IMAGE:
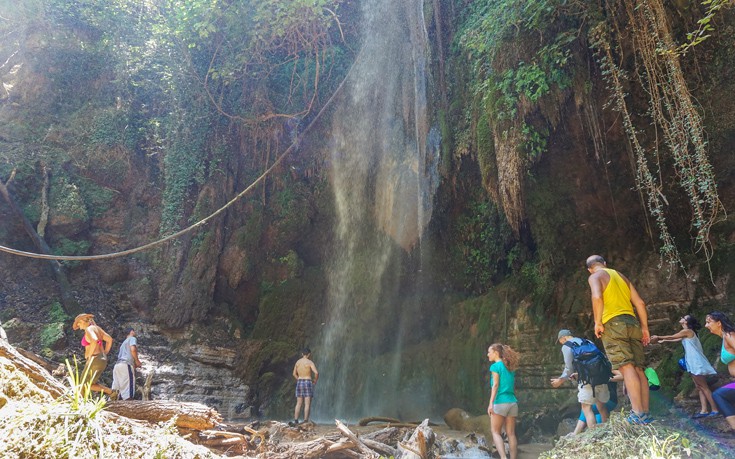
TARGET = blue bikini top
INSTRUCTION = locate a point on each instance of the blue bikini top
(725, 356)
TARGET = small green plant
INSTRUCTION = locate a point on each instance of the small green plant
(56, 313)
(80, 396)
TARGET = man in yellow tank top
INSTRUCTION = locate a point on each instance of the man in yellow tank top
(615, 304)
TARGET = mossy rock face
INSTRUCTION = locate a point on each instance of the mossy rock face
(291, 308)
(68, 213)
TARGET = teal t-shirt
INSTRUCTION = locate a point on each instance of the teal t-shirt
(506, 383)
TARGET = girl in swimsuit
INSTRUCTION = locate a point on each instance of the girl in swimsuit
(97, 344)
(720, 325)
(697, 364)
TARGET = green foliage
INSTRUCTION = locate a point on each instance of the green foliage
(56, 313)
(66, 246)
(482, 235)
(51, 334)
(97, 199)
(112, 128)
(183, 72)
(704, 26)
(65, 198)
(534, 141)
(294, 265)
(537, 280)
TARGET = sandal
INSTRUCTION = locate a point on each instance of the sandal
(700, 415)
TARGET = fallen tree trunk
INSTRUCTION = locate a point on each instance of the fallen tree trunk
(188, 415)
(40, 377)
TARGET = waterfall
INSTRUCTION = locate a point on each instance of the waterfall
(383, 178)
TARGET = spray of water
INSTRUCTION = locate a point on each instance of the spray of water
(383, 177)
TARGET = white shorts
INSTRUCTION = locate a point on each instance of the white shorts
(602, 394)
(123, 380)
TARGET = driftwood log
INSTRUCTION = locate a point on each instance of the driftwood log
(308, 450)
(419, 444)
(364, 449)
(366, 421)
(34, 371)
(188, 415)
(388, 435)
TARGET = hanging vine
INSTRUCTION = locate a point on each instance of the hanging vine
(672, 110)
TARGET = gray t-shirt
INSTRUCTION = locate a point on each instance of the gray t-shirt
(125, 355)
(568, 354)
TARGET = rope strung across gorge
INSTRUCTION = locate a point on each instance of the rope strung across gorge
(201, 222)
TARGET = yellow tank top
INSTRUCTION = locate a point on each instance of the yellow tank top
(616, 297)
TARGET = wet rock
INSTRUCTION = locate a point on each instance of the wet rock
(565, 427)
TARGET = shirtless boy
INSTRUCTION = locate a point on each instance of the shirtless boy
(302, 371)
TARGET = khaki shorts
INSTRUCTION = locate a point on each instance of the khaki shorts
(506, 409)
(622, 341)
(602, 394)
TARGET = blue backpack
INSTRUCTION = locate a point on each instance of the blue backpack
(591, 364)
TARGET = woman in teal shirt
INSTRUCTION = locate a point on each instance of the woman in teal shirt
(503, 407)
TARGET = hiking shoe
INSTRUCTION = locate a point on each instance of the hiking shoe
(293, 423)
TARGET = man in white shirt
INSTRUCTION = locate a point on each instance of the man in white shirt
(123, 375)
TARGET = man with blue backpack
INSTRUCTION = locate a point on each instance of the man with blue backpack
(593, 370)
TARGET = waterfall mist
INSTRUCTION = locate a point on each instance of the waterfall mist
(383, 178)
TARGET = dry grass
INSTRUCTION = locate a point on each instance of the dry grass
(35, 426)
(617, 439)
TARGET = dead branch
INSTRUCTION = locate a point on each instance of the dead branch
(43, 221)
(147, 387)
(365, 421)
(367, 452)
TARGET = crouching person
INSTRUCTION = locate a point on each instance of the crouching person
(582, 357)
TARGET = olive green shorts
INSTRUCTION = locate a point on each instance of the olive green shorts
(622, 341)
(93, 369)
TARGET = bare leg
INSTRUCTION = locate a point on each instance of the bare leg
(100, 388)
(633, 386)
(645, 394)
(510, 430)
(731, 421)
(589, 415)
(705, 394)
(604, 413)
(496, 426)
(580, 426)
(307, 408)
(299, 401)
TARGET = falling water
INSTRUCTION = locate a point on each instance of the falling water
(384, 179)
